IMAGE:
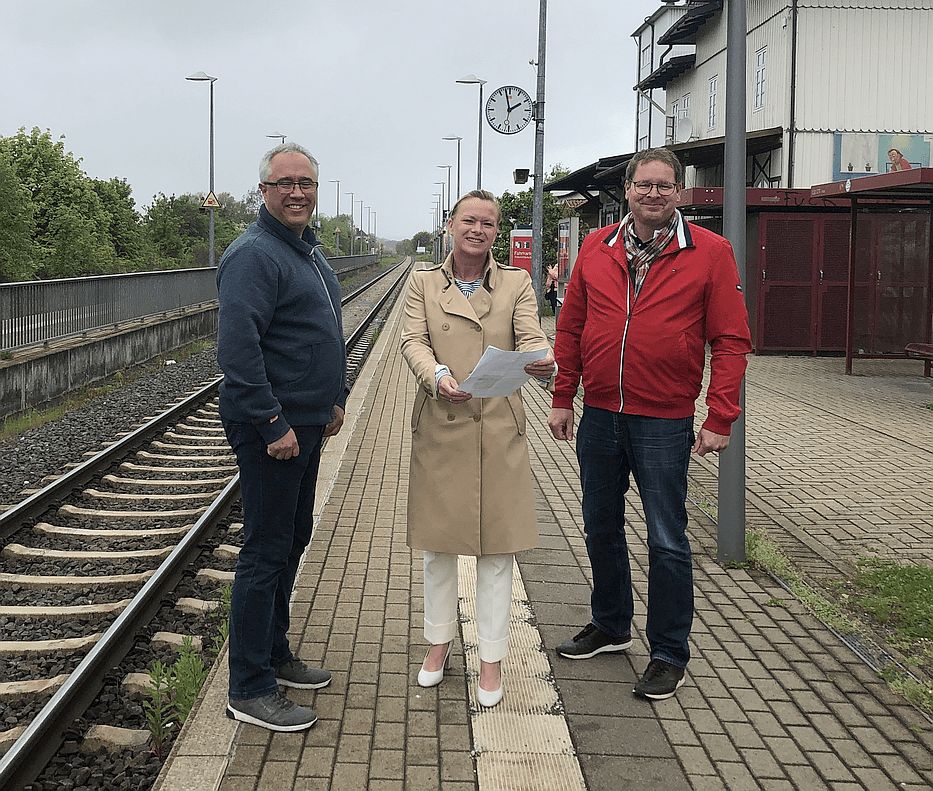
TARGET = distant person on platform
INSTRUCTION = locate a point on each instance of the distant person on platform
(550, 287)
(645, 297)
(898, 160)
(280, 345)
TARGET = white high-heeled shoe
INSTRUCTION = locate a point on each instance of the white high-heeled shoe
(431, 678)
(489, 698)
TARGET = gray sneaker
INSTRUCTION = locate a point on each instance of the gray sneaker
(274, 712)
(298, 675)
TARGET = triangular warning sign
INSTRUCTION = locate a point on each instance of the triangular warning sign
(211, 202)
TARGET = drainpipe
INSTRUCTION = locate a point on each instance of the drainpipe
(792, 121)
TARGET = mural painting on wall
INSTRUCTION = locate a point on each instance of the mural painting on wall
(858, 154)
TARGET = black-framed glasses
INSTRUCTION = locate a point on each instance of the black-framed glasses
(285, 186)
(644, 187)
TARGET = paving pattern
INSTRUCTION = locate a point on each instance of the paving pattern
(773, 700)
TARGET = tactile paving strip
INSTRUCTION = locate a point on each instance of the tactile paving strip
(522, 744)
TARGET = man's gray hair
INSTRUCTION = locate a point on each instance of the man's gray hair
(265, 164)
(656, 155)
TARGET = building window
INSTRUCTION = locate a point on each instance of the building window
(645, 61)
(685, 106)
(643, 142)
(761, 59)
(643, 102)
(712, 101)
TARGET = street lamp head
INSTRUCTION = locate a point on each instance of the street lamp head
(452, 137)
(445, 166)
(471, 79)
(279, 136)
(200, 76)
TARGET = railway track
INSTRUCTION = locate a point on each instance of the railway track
(144, 529)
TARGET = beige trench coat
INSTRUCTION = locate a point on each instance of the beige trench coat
(469, 489)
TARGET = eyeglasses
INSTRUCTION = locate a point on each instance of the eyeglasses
(644, 187)
(285, 186)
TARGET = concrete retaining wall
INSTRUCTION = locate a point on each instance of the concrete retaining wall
(39, 376)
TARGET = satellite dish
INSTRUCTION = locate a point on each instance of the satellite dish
(683, 129)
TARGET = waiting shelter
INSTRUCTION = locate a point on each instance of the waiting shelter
(890, 264)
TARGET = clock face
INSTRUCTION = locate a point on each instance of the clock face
(509, 109)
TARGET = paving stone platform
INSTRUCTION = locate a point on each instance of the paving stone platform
(838, 467)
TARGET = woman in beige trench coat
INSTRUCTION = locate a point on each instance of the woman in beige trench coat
(470, 490)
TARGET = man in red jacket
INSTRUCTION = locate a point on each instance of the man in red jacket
(645, 297)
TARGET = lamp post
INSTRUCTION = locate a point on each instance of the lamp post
(337, 217)
(360, 226)
(443, 212)
(351, 221)
(439, 209)
(366, 234)
(280, 138)
(458, 139)
(448, 185)
(200, 76)
(472, 79)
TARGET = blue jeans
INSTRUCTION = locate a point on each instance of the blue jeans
(278, 506)
(656, 451)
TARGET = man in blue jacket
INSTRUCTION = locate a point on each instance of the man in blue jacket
(280, 345)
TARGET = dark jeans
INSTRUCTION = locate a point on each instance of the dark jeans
(657, 452)
(278, 505)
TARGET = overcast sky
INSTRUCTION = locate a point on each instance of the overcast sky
(368, 86)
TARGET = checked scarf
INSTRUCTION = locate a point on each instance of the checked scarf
(641, 257)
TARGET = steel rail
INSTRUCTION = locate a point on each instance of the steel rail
(12, 519)
(31, 752)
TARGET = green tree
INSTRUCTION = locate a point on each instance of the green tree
(65, 203)
(124, 224)
(422, 239)
(178, 228)
(17, 220)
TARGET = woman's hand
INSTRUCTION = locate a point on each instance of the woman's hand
(448, 389)
(543, 368)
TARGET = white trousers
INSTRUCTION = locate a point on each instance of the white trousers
(493, 601)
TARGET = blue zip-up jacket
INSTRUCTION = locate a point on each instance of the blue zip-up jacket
(280, 334)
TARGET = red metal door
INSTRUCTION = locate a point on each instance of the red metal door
(787, 313)
(832, 283)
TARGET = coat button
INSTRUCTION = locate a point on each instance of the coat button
(445, 326)
(450, 417)
(478, 329)
(476, 418)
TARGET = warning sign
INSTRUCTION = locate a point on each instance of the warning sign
(211, 202)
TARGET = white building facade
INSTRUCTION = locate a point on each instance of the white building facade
(835, 88)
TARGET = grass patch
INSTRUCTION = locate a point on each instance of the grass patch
(764, 553)
(898, 596)
(896, 600)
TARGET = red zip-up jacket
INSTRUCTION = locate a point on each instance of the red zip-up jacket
(645, 356)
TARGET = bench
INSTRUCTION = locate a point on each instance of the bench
(921, 351)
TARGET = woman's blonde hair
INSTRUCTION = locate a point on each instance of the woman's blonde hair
(482, 195)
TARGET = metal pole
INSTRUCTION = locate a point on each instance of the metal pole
(731, 523)
(479, 142)
(337, 219)
(351, 221)
(537, 212)
(210, 233)
(458, 168)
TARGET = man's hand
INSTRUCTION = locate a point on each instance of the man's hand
(541, 369)
(335, 425)
(284, 447)
(710, 441)
(448, 389)
(560, 421)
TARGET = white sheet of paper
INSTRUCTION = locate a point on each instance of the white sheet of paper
(499, 373)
